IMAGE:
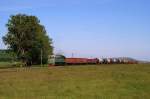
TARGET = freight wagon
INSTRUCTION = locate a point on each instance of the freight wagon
(93, 61)
(76, 61)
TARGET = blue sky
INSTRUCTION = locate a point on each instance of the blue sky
(89, 28)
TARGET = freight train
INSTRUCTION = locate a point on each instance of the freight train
(60, 60)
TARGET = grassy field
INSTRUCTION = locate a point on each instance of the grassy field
(76, 82)
(5, 64)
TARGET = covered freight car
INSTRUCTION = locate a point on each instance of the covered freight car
(76, 61)
(93, 61)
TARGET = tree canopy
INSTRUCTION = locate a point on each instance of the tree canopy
(27, 38)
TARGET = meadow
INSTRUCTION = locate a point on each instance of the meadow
(76, 82)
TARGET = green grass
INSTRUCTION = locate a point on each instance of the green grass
(76, 82)
(5, 64)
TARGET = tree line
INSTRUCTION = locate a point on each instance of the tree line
(28, 39)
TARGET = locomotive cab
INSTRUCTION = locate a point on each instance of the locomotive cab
(56, 60)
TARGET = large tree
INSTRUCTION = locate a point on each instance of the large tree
(28, 38)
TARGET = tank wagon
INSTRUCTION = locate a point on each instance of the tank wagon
(101, 61)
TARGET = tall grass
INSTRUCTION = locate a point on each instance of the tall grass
(76, 82)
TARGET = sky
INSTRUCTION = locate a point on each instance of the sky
(88, 28)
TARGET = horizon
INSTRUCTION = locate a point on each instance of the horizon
(89, 28)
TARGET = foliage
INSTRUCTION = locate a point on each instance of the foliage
(7, 56)
(27, 37)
